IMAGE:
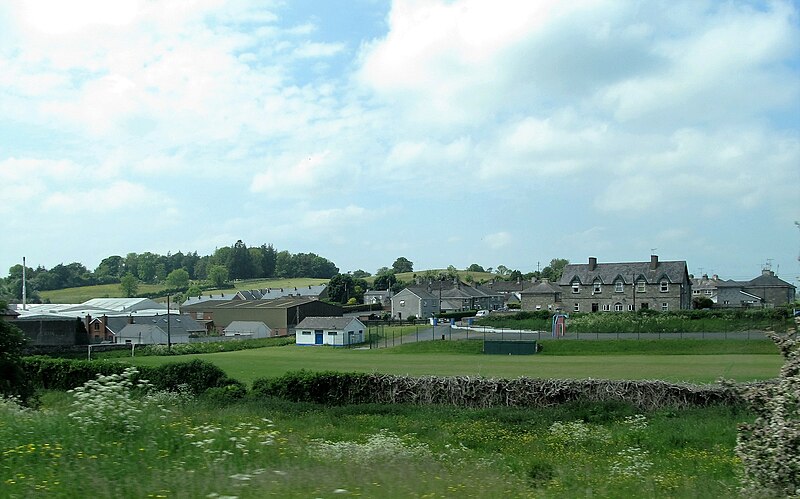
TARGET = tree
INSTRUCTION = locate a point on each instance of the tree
(110, 269)
(402, 264)
(178, 279)
(475, 268)
(360, 274)
(129, 284)
(239, 264)
(701, 302)
(502, 270)
(13, 379)
(269, 255)
(554, 271)
(341, 288)
(218, 275)
(194, 290)
(385, 280)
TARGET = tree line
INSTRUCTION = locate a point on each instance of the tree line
(174, 269)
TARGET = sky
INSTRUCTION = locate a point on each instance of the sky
(448, 132)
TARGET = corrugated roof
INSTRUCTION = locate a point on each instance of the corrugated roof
(338, 323)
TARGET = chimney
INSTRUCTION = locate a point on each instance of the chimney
(653, 262)
(767, 272)
(130, 319)
(592, 263)
(88, 322)
(715, 277)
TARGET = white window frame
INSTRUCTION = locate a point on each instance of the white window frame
(597, 287)
(664, 307)
(618, 307)
(576, 307)
(576, 287)
(619, 287)
(641, 286)
(606, 307)
(664, 286)
(630, 307)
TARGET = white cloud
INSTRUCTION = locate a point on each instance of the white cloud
(498, 240)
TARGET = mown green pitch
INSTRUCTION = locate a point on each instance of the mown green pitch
(247, 365)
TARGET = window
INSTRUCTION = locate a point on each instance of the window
(618, 307)
(597, 287)
(97, 326)
(630, 307)
(199, 315)
(306, 332)
(707, 292)
(664, 307)
(641, 286)
(695, 291)
(332, 333)
(664, 286)
(606, 307)
(402, 303)
(645, 306)
(576, 287)
(577, 307)
(618, 287)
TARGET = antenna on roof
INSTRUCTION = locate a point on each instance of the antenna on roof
(653, 251)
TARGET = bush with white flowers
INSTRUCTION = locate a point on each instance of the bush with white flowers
(770, 447)
(108, 402)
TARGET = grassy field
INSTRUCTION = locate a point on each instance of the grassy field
(179, 447)
(756, 361)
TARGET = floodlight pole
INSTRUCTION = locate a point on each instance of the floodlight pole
(169, 339)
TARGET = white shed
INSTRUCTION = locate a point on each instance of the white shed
(248, 329)
(335, 331)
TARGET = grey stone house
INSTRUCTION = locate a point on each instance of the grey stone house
(766, 290)
(416, 301)
(541, 296)
(618, 287)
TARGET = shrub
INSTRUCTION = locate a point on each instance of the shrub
(226, 395)
(770, 447)
(13, 381)
(197, 375)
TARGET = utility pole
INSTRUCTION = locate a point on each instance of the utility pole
(24, 289)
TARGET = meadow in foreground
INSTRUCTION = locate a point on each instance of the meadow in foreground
(111, 439)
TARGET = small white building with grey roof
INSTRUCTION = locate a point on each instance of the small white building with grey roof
(334, 331)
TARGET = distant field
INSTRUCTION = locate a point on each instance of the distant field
(247, 365)
(476, 276)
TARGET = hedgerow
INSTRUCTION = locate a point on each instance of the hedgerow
(334, 388)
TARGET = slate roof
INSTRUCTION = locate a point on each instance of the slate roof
(542, 288)
(246, 327)
(768, 281)
(337, 323)
(674, 271)
(420, 292)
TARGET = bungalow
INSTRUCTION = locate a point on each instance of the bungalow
(157, 331)
(335, 331)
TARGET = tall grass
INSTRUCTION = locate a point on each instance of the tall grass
(184, 447)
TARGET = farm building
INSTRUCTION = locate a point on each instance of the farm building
(335, 331)
(279, 314)
(154, 330)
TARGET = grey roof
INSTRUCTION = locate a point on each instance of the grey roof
(674, 271)
(504, 286)
(122, 304)
(542, 288)
(768, 281)
(420, 292)
(337, 323)
(246, 327)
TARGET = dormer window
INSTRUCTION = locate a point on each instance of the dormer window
(664, 285)
(597, 286)
(618, 287)
(576, 287)
(641, 286)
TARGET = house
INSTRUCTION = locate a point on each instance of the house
(542, 295)
(414, 301)
(606, 287)
(378, 297)
(279, 314)
(334, 331)
(509, 291)
(766, 290)
(160, 330)
(248, 329)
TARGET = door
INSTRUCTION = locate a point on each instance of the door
(318, 337)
